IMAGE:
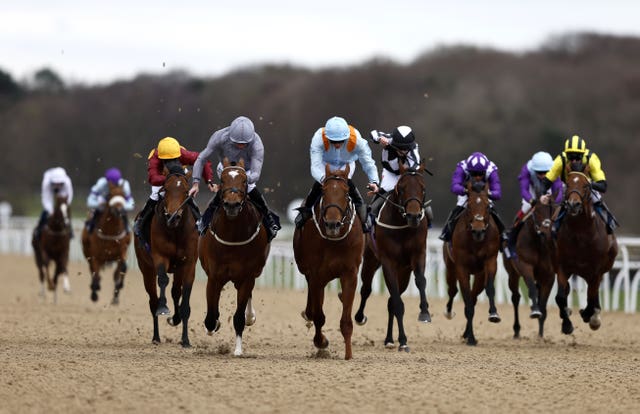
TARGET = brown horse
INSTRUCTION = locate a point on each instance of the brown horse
(53, 245)
(173, 249)
(584, 248)
(533, 259)
(234, 249)
(327, 247)
(473, 250)
(399, 243)
(108, 242)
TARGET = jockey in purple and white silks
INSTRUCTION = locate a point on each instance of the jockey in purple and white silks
(97, 198)
(476, 167)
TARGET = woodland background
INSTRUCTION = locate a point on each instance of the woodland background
(457, 99)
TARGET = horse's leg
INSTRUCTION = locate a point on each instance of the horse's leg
(316, 291)
(163, 281)
(243, 294)
(561, 300)
(349, 284)
(369, 266)
(452, 290)
(94, 265)
(64, 262)
(212, 320)
(176, 292)
(37, 252)
(249, 313)
(188, 276)
(591, 313)
(307, 313)
(546, 284)
(118, 279)
(421, 284)
(149, 279)
(470, 299)
(490, 274)
(396, 309)
(514, 287)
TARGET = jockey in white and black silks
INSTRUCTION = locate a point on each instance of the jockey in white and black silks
(55, 182)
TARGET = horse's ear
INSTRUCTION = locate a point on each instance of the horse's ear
(327, 170)
(225, 162)
(165, 171)
(587, 170)
(188, 174)
(241, 163)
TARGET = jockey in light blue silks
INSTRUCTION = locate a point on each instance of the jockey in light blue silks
(339, 144)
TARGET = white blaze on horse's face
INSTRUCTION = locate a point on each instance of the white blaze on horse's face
(178, 183)
(234, 173)
(575, 180)
(478, 200)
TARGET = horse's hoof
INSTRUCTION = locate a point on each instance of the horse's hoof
(185, 345)
(66, 286)
(322, 345)
(155, 341)
(595, 321)
(162, 310)
(250, 320)
(115, 301)
(237, 353)
(389, 345)
(494, 318)
(309, 323)
(535, 314)
(567, 328)
(472, 342)
(170, 321)
(362, 321)
(216, 328)
(449, 315)
(569, 311)
(94, 297)
(404, 348)
(424, 317)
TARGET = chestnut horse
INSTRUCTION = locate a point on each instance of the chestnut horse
(173, 249)
(53, 245)
(234, 249)
(584, 248)
(533, 259)
(108, 242)
(327, 247)
(473, 249)
(399, 243)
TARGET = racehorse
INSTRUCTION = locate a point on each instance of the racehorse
(533, 259)
(108, 242)
(584, 248)
(327, 247)
(398, 243)
(173, 248)
(473, 249)
(53, 245)
(234, 249)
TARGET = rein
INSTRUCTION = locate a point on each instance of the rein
(353, 216)
(240, 243)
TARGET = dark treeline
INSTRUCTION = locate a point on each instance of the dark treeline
(457, 99)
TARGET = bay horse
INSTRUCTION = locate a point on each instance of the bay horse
(533, 260)
(52, 245)
(234, 249)
(108, 242)
(584, 248)
(173, 248)
(473, 249)
(398, 242)
(327, 247)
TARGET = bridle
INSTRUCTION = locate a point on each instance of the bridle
(171, 218)
(402, 208)
(235, 190)
(347, 214)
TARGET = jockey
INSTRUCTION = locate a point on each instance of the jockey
(531, 183)
(479, 169)
(578, 156)
(235, 142)
(339, 144)
(169, 153)
(100, 192)
(55, 181)
(398, 148)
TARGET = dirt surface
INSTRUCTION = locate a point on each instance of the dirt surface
(77, 356)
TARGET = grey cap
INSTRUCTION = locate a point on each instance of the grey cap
(241, 130)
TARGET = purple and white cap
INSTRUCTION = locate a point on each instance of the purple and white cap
(477, 162)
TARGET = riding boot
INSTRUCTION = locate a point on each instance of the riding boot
(360, 206)
(558, 221)
(377, 202)
(41, 221)
(269, 218)
(604, 213)
(429, 212)
(450, 224)
(515, 230)
(91, 223)
(145, 214)
(501, 229)
(205, 220)
(304, 211)
(125, 218)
